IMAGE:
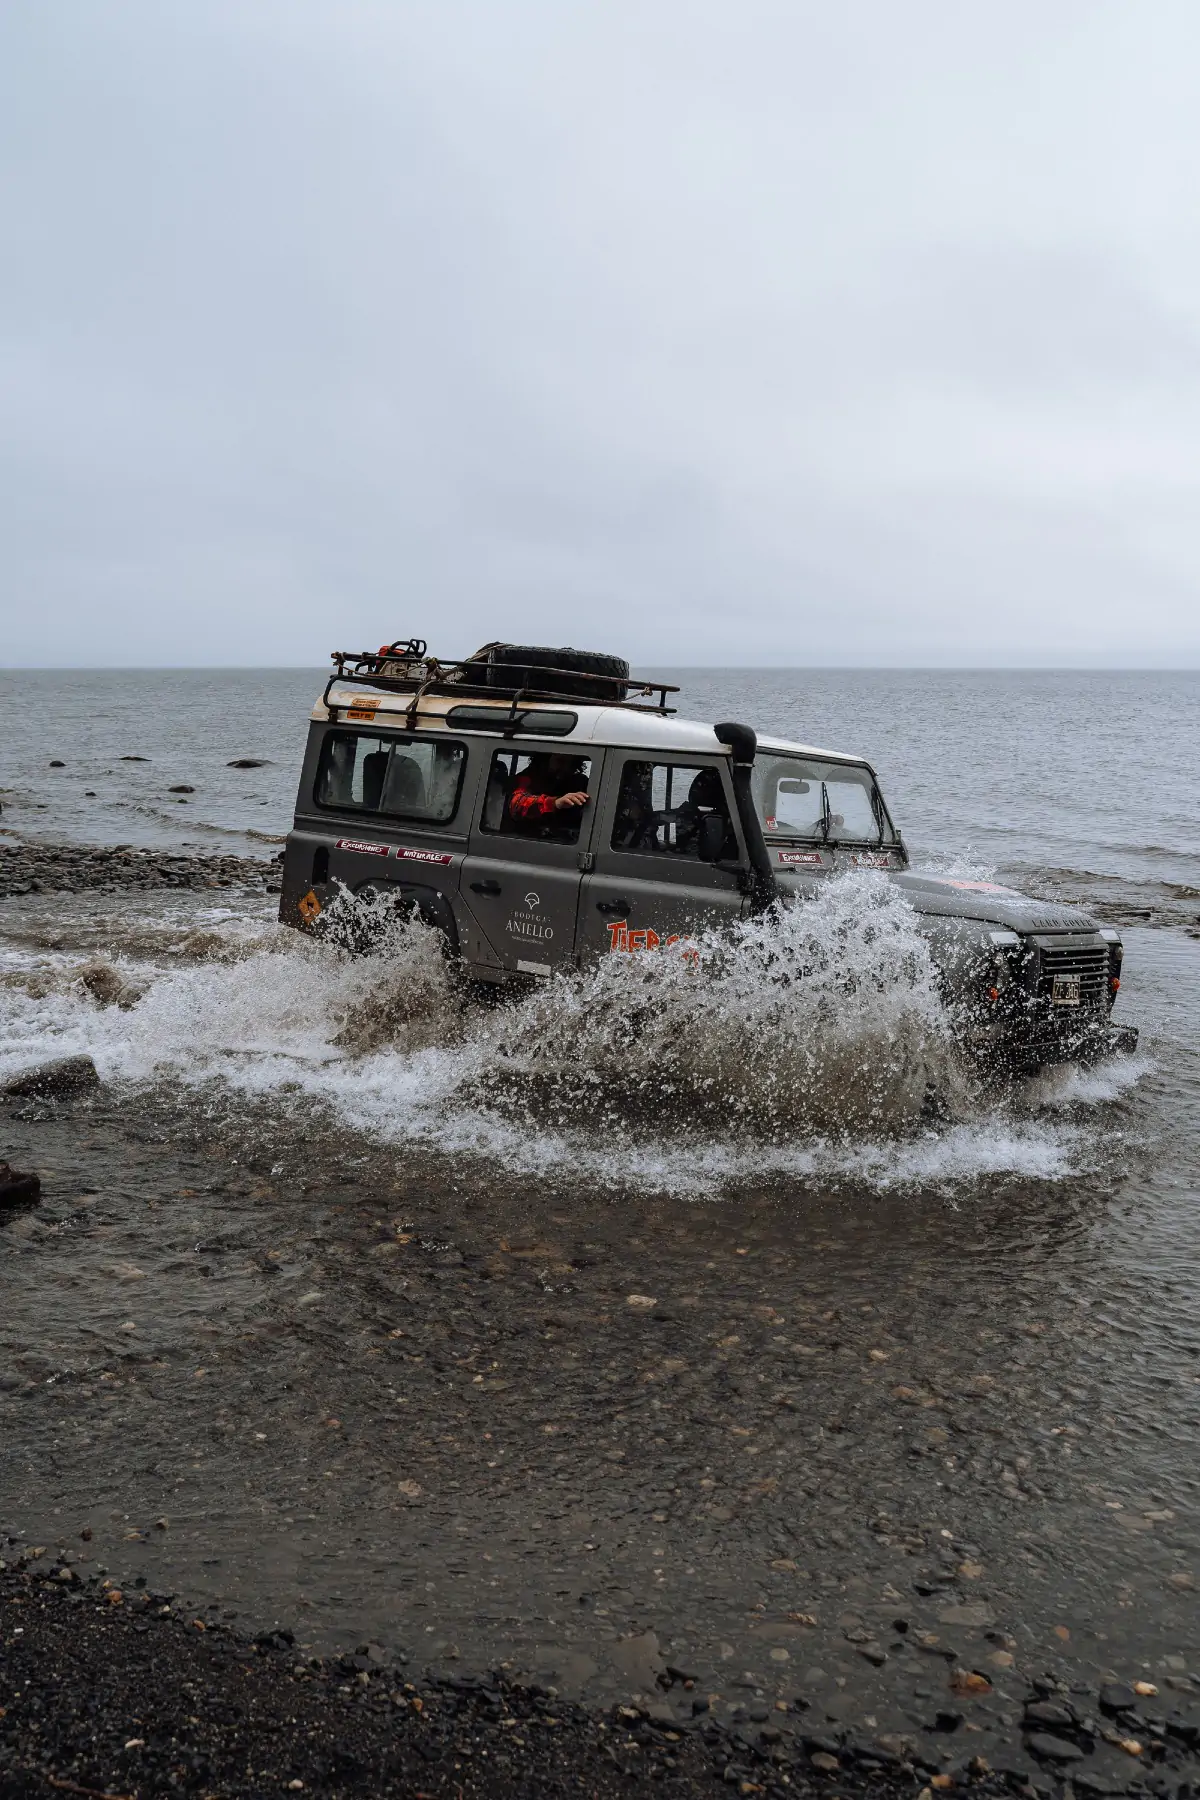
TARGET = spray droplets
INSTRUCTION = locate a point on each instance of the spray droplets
(803, 1045)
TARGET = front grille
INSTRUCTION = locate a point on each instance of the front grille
(1087, 961)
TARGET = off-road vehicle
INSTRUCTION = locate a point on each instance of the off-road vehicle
(542, 806)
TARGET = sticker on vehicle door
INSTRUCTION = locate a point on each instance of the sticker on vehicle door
(646, 938)
(441, 857)
(788, 857)
(529, 924)
(361, 848)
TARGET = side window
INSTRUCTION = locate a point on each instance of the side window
(537, 794)
(407, 778)
(660, 807)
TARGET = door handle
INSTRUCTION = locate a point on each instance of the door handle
(612, 906)
(485, 887)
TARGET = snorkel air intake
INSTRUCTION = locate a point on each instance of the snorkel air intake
(743, 747)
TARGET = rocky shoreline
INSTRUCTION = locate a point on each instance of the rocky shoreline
(125, 1694)
(37, 868)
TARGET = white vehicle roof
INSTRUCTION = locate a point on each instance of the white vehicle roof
(623, 726)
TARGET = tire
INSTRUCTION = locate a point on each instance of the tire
(514, 666)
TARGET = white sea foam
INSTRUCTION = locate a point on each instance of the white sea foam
(776, 1051)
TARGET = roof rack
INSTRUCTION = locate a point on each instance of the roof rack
(404, 668)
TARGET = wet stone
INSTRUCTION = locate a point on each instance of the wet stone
(1116, 1697)
(67, 1075)
(1051, 1714)
(1053, 1749)
(18, 1188)
(1091, 1781)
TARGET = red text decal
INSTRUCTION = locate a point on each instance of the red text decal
(645, 938)
(361, 848)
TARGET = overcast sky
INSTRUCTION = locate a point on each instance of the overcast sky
(752, 331)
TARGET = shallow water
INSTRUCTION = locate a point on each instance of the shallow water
(334, 1274)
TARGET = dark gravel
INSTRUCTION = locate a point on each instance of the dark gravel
(126, 1694)
(105, 1693)
(35, 868)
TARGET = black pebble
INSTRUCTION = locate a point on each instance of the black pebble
(17, 1189)
(55, 764)
(182, 788)
(1054, 1749)
(1049, 1712)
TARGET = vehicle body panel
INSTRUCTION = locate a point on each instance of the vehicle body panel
(636, 900)
(523, 892)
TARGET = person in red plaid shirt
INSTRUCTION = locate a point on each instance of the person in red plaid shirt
(551, 785)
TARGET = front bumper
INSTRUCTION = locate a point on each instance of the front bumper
(1023, 1050)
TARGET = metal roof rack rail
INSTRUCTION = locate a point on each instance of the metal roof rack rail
(425, 674)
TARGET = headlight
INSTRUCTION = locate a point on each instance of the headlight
(1116, 955)
(998, 972)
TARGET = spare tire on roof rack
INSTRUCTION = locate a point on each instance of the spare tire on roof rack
(579, 674)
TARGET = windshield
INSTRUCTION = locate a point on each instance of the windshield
(825, 802)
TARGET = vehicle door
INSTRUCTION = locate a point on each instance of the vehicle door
(650, 883)
(380, 810)
(521, 875)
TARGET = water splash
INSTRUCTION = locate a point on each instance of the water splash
(777, 1049)
(825, 1019)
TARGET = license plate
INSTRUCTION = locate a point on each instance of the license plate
(1065, 991)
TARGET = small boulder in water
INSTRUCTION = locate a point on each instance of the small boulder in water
(135, 759)
(56, 764)
(181, 788)
(17, 1189)
(246, 762)
(69, 1075)
(108, 985)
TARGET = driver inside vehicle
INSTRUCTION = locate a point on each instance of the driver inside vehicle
(705, 796)
(549, 787)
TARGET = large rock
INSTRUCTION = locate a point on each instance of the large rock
(17, 1189)
(69, 1075)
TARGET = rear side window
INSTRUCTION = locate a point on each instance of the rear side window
(407, 778)
(537, 795)
(660, 806)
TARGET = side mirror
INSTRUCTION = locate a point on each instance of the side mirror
(712, 837)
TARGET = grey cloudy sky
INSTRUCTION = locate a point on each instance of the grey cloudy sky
(767, 332)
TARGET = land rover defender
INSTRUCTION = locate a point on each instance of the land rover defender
(541, 807)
